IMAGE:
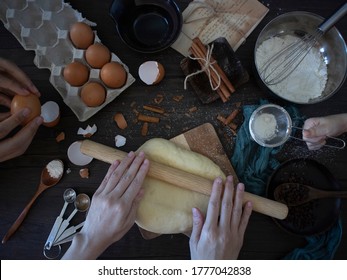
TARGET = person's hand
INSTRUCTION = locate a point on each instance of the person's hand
(317, 129)
(220, 236)
(14, 81)
(113, 208)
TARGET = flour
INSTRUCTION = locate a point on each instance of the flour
(265, 126)
(55, 168)
(306, 82)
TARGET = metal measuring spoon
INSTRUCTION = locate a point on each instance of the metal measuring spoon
(69, 197)
(68, 234)
(82, 204)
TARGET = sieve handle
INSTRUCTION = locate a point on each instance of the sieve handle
(341, 146)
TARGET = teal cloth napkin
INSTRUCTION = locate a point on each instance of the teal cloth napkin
(254, 164)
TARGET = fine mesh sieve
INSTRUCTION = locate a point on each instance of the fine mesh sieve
(270, 125)
(280, 130)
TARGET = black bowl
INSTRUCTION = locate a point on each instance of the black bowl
(147, 25)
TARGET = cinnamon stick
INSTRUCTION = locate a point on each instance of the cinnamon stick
(232, 116)
(144, 129)
(221, 90)
(217, 67)
(145, 118)
(153, 108)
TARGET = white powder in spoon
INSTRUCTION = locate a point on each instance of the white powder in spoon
(265, 126)
(55, 168)
(306, 82)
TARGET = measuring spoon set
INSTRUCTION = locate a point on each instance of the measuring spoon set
(61, 232)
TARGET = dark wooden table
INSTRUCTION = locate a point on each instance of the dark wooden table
(20, 177)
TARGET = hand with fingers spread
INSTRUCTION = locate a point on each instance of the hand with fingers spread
(113, 208)
(14, 81)
(220, 235)
(317, 129)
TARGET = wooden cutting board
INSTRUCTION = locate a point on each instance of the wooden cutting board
(203, 140)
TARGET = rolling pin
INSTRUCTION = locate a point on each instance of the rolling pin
(183, 179)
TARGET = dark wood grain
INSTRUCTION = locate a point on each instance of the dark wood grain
(19, 177)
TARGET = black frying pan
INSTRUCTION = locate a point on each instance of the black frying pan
(316, 216)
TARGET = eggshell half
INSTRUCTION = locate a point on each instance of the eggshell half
(151, 72)
(75, 155)
(50, 113)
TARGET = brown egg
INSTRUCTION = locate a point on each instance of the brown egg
(81, 35)
(113, 75)
(76, 74)
(97, 55)
(30, 101)
(93, 94)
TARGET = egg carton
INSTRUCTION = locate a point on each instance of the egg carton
(43, 27)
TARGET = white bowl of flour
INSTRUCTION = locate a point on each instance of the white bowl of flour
(323, 70)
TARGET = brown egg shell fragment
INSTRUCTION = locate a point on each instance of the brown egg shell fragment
(120, 120)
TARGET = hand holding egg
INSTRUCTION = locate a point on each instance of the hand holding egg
(14, 82)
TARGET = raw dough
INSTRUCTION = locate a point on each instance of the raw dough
(167, 209)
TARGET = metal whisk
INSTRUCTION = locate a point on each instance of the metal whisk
(283, 63)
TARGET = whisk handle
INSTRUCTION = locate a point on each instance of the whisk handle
(334, 18)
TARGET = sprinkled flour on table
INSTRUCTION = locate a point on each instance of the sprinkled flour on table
(306, 82)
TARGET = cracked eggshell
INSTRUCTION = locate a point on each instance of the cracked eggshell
(76, 156)
(151, 72)
(50, 113)
(88, 131)
(120, 141)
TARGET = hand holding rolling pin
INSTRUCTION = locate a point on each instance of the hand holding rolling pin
(220, 235)
(113, 208)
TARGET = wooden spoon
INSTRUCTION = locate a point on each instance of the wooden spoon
(294, 194)
(46, 182)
